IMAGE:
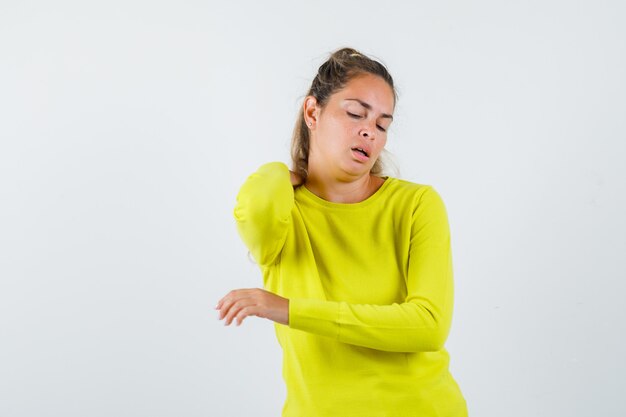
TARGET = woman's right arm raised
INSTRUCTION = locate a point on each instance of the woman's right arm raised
(263, 210)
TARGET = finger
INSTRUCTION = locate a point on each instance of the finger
(226, 302)
(245, 312)
(220, 303)
(232, 293)
(224, 308)
(236, 308)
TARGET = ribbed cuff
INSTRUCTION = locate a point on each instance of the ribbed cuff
(315, 316)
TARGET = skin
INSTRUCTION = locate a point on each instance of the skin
(336, 174)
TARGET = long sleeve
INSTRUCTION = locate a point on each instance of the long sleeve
(263, 211)
(422, 322)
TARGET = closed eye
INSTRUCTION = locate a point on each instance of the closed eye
(356, 116)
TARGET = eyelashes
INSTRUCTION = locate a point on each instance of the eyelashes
(356, 116)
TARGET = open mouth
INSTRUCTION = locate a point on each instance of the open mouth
(361, 151)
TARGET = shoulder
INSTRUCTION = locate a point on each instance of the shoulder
(409, 188)
(414, 195)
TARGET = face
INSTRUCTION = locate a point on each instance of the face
(357, 116)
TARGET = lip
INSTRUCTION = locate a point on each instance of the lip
(358, 155)
(363, 146)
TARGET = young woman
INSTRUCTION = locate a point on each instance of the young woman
(357, 267)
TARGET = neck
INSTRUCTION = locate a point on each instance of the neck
(341, 190)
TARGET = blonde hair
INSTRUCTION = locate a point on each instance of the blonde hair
(342, 66)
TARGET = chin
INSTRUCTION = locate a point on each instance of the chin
(357, 171)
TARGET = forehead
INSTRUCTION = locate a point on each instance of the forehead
(369, 88)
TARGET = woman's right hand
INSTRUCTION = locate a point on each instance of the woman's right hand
(296, 179)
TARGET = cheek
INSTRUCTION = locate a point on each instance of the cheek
(328, 142)
(338, 136)
(338, 124)
(381, 145)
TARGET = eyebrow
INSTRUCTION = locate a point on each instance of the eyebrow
(369, 107)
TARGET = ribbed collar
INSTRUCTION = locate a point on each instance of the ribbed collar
(302, 194)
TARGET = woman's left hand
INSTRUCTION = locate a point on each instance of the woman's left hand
(241, 303)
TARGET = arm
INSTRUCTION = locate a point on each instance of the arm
(422, 322)
(263, 211)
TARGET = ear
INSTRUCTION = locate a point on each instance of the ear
(311, 111)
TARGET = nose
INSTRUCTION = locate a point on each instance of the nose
(367, 131)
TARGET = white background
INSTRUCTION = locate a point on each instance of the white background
(127, 128)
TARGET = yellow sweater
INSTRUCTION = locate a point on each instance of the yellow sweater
(370, 289)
